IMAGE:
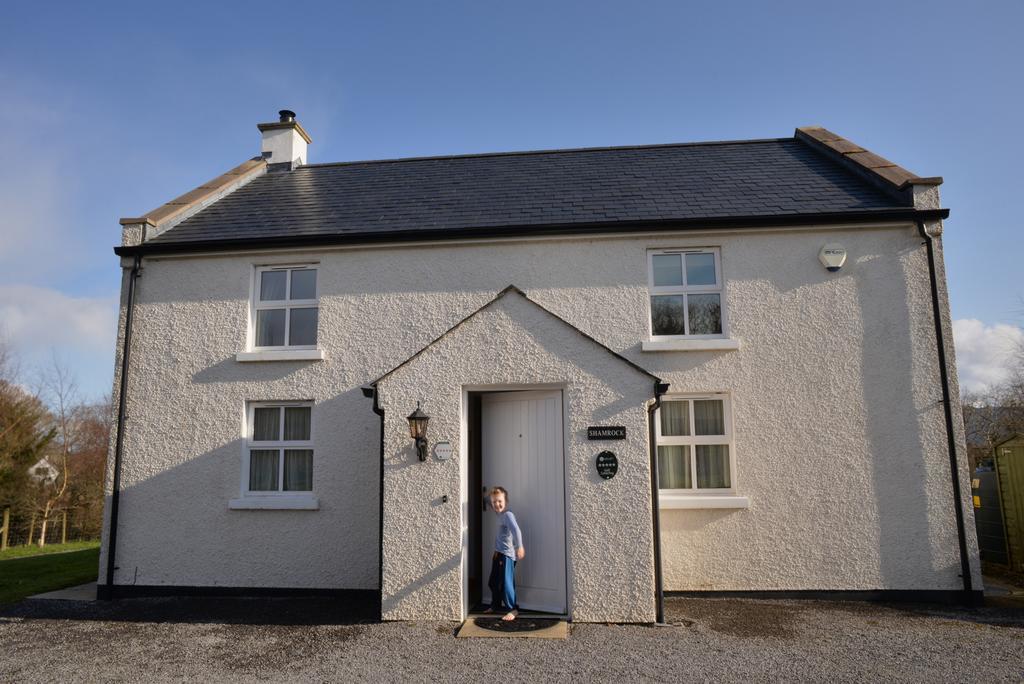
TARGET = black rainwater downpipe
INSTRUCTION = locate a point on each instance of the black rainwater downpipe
(380, 516)
(106, 592)
(659, 589)
(965, 566)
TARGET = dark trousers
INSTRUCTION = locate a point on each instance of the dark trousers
(502, 582)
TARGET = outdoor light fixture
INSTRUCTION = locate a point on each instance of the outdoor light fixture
(832, 257)
(418, 430)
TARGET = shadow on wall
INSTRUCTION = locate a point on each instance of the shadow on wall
(175, 528)
(897, 459)
(422, 582)
(230, 370)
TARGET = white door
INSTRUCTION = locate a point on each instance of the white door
(522, 452)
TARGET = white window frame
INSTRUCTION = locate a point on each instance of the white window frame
(280, 445)
(684, 289)
(255, 305)
(692, 441)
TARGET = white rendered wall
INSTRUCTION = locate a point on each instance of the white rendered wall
(515, 343)
(839, 433)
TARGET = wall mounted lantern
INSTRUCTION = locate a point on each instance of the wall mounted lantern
(418, 430)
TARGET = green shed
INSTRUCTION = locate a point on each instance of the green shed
(1009, 458)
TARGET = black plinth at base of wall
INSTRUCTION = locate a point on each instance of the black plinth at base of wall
(943, 596)
(356, 603)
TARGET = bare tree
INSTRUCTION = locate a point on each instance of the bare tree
(88, 466)
(61, 391)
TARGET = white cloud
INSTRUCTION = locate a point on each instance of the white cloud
(985, 354)
(38, 322)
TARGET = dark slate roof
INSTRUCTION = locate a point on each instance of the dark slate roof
(758, 178)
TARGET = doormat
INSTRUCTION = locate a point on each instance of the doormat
(528, 627)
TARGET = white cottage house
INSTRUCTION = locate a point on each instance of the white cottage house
(717, 367)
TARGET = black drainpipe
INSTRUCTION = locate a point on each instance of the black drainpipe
(371, 391)
(107, 591)
(965, 567)
(659, 589)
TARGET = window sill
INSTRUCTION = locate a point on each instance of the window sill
(281, 355)
(686, 501)
(715, 344)
(275, 503)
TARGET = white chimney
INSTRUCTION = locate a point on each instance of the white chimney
(284, 141)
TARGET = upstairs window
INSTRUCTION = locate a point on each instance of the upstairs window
(285, 307)
(686, 293)
(694, 438)
(280, 448)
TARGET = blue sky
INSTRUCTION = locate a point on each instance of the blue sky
(109, 109)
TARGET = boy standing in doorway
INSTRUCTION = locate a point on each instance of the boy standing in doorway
(508, 548)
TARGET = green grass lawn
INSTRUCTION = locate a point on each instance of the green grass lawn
(34, 550)
(24, 576)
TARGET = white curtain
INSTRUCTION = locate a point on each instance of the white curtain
(273, 285)
(270, 327)
(302, 326)
(713, 466)
(303, 284)
(674, 467)
(263, 470)
(296, 423)
(708, 417)
(675, 418)
(266, 424)
(298, 470)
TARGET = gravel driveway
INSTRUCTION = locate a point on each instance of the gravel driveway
(304, 640)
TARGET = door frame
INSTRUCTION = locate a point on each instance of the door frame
(470, 527)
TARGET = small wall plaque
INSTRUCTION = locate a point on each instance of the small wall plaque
(601, 432)
(607, 465)
(443, 451)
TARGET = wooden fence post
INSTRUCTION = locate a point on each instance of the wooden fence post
(5, 530)
(64, 527)
(32, 528)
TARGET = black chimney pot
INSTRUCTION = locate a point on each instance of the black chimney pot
(287, 116)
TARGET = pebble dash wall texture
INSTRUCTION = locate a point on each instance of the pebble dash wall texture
(515, 342)
(839, 433)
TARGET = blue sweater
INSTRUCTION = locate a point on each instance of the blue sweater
(509, 537)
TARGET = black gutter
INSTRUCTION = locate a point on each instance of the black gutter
(965, 567)
(371, 391)
(660, 388)
(156, 247)
(106, 592)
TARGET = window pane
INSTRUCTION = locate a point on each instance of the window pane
(674, 467)
(700, 269)
(298, 470)
(708, 417)
(705, 314)
(713, 466)
(304, 284)
(667, 316)
(675, 418)
(296, 423)
(266, 425)
(270, 328)
(272, 285)
(263, 470)
(668, 269)
(302, 327)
